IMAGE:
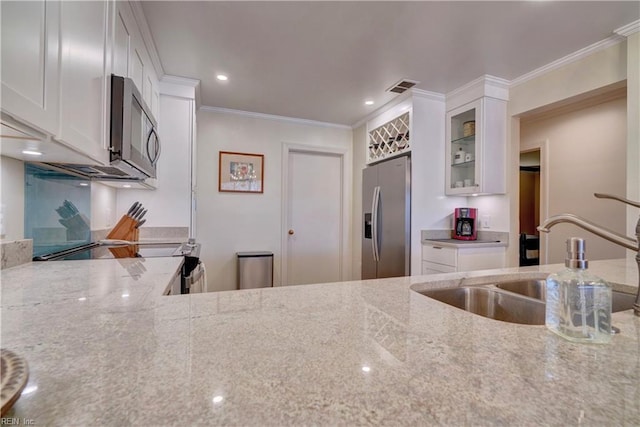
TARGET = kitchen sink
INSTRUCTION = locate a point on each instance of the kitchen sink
(492, 303)
(620, 301)
(519, 301)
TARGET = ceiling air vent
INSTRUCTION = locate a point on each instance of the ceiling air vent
(402, 85)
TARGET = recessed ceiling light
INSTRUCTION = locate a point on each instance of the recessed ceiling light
(126, 186)
(222, 77)
(368, 102)
(84, 184)
(32, 152)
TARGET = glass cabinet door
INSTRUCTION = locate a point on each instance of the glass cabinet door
(462, 150)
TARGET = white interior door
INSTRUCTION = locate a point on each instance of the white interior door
(314, 216)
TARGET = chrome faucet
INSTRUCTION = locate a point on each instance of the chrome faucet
(609, 235)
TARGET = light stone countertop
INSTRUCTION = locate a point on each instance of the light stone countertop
(105, 347)
(486, 239)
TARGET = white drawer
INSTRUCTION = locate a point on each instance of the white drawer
(433, 268)
(439, 254)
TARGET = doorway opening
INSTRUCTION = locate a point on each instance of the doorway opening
(529, 207)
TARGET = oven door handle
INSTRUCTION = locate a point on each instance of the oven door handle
(198, 275)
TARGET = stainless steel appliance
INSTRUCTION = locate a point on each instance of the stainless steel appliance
(192, 273)
(386, 205)
(135, 146)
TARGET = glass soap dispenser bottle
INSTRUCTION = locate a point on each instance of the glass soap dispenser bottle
(578, 304)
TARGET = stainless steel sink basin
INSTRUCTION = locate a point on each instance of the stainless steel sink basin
(519, 301)
(492, 303)
(536, 289)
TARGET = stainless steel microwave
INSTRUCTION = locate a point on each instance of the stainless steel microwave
(135, 145)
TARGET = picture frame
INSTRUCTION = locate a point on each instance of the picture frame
(240, 172)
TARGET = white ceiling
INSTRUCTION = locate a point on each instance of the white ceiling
(321, 60)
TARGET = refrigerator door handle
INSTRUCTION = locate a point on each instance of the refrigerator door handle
(374, 222)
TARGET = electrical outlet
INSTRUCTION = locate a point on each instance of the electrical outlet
(485, 221)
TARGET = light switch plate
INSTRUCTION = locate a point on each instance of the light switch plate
(485, 221)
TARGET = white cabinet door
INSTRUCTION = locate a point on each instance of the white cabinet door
(121, 44)
(29, 34)
(438, 259)
(129, 48)
(84, 75)
(481, 258)
(476, 148)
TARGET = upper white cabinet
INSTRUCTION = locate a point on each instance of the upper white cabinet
(389, 133)
(476, 148)
(84, 72)
(131, 58)
(57, 60)
(389, 139)
(29, 34)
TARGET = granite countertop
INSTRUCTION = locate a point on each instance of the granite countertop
(105, 347)
(453, 243)
(486, 239)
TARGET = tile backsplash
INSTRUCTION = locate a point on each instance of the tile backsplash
(57, 209)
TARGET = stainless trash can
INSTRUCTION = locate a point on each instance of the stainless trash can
(255, 270)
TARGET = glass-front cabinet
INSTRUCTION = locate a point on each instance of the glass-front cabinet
(476, 148)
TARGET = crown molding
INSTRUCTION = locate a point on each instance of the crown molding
(285, 119)
(483, 86)
(387, 106)
(572, 57)
(418, 93)
(147, 38)
(181, 87)
(628, 29)
(482, 83)
(428, 94)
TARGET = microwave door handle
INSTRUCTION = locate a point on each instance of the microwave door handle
(158, 147)
(153, 160)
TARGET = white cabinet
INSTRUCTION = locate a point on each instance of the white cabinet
(57, 60)
(29, 34)
(443, 259)
(84, 72)
(131, 58)
(476, 148)
(389, 139)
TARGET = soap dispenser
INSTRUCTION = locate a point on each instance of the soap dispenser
(578, 304)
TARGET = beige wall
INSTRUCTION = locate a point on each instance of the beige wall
(586, 154)
(595, 74)
(103, 206)
(229, 222)
(599, 70)
(12, 209)
(633, 130)
(359, 156)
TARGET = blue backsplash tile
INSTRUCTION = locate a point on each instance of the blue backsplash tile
(57, 209)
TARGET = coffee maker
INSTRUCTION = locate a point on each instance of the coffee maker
(465, 224)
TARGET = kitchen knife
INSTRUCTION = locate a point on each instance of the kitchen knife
(61, 212)
(140, 223)
(72, 208)
(141, 215)
(133, 208)
(137, 211)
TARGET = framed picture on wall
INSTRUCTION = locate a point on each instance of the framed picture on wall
(240, 172)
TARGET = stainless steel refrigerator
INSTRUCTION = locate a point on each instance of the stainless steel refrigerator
(386, 205)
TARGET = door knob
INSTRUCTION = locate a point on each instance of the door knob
(291, 232)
